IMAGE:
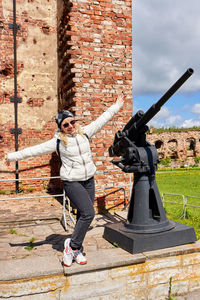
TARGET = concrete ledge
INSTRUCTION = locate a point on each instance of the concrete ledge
(173, 251)
(111, 258)
(105, 259)
(33, 267)
(109, 273)
(30, 268)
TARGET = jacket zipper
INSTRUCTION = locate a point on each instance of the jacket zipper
(79, 149)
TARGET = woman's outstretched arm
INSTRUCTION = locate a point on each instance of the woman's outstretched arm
(96, 125)
(44, 148)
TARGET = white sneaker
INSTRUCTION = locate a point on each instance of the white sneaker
(68, 254)
(79, 257)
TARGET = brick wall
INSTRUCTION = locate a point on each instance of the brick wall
(181, 146)
(37, 83)
(95, 61)
(71, 54)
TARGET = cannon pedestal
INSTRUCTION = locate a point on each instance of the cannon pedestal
(143, 242)
(147, 227)
(146, 212)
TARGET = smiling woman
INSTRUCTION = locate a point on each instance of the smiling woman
(77, 171)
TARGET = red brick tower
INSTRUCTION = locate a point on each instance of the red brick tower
(70, 54)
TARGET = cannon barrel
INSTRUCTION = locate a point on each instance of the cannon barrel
(136, 127)
(154, 109)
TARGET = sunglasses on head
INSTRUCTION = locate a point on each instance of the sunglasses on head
(72, 122)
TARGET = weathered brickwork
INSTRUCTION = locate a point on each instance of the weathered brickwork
(183, 146)
(36, 78)
(94, 67)
(70, 54)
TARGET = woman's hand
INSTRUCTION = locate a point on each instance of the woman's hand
(120, 100)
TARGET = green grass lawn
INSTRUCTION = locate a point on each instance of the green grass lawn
(183, 183)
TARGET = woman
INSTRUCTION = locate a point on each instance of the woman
(77, 171)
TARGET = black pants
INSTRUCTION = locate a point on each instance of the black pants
(81, 195)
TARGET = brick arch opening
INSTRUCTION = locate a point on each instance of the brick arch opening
(191, 143)
(172, 148)
(191, 146)
(159, 144)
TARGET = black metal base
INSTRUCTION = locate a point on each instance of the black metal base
(140, 242)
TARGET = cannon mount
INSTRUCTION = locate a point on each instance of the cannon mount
(147, 227)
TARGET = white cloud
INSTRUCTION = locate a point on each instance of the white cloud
(190, 123)
(174, 121)
(196, 109)
(166, 37)
(163, 113)
(166, 119)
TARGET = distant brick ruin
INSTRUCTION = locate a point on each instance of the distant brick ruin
(70, 54)
(182, 146)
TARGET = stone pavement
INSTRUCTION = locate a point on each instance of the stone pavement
(31, 234)
(23, 210)
(31, 228)
(32, 237)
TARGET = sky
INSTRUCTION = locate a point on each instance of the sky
(166, 42)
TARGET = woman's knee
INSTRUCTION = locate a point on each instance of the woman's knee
(89, 215)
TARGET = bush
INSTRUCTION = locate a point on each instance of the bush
(197, 160)
(165, 161)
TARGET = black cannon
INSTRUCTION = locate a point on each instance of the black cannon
(147, 227)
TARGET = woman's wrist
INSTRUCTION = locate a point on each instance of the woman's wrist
(120, 101)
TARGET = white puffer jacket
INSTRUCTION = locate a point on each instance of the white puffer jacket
(77, 163)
